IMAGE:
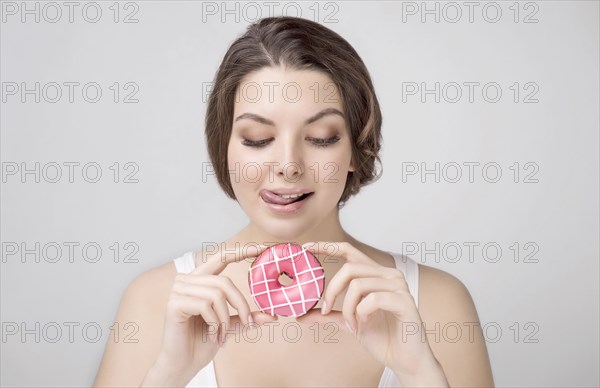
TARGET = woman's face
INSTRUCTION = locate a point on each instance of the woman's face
(288, 136)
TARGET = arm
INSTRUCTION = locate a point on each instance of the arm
(444, 300)
(143, 304)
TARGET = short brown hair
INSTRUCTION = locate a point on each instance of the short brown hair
(298, 44)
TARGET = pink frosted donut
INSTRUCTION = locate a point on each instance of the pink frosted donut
(295, 299)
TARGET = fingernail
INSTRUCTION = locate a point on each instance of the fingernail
(324, 308)
(349, 326)
(250, 320)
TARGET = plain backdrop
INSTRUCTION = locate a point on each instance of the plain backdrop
(532, 268)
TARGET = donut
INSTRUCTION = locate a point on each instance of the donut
(296, 298)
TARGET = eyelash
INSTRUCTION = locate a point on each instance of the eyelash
(317, 142)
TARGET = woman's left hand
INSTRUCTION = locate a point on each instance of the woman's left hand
(379, 311)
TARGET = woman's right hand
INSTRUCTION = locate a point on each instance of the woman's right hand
(197, 316)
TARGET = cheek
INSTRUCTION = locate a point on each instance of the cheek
(242, 154)
(332, 167)
(246, 171)
(236, 157)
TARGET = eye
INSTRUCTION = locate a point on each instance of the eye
(318, 142)
(256, 144)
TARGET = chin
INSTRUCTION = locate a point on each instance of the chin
(284, 230)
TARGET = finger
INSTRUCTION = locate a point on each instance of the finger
(189, 306)
(343, 250)
(232, 293)
(315, 316)
(215, 296)
(260, 317)
(257, 319)
(399, 303)
(360, 288)
(342, 278)
(220, 306)
(215, 263)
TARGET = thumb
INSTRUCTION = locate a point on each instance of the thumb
(260, 317)
(315, 316)
(257, 316)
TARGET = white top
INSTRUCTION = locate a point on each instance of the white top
(207, 377)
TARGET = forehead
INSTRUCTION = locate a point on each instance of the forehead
(279, 88)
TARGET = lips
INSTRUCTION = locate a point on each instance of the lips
(271, 197)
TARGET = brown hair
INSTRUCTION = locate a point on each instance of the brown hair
(298, 44)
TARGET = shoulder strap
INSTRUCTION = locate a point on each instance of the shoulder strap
(185, 263)
(411, 273)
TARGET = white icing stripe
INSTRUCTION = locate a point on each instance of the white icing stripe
(273, 280)
(297, 273)
(286, 304)
(268, 291)
(299, 285)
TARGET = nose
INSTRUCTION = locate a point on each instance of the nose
(290, 165)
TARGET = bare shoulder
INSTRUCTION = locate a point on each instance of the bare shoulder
(140, 314)
(155, 280)
(152, 287)
(453, 328)
(441, 293)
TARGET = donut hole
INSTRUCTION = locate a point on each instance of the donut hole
(284, 279)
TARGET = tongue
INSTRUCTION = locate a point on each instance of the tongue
(271, 197)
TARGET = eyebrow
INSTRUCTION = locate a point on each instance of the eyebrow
(310, 120)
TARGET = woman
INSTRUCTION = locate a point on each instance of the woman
(293, 131)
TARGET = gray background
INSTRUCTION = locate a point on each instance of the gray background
(546, 309)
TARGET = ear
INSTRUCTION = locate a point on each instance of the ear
(351, 167)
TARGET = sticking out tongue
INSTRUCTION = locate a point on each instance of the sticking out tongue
(271, 197)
